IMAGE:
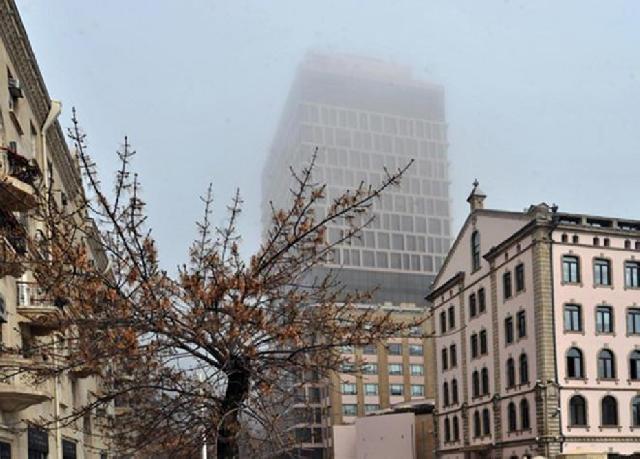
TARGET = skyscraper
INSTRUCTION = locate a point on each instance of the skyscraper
(365, 115)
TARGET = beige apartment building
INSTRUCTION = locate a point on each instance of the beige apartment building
(33, 153)
(538, 335)
(364, 115)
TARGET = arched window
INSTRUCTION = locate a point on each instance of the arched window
(524, 414)
(609, 411)
(577, 411)
(575, 365)
(485, 381)
(475, 250)
(476, 424)
(606, 364)
(511, 415)
(456, 429)
(475, 384)
(447, 430)
(486, 422)
(634, 365)
(635, 411)
(445, 393)
(454, 391)
(524, 369)
(511, 372)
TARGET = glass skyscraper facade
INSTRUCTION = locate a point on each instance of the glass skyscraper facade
(363, 116)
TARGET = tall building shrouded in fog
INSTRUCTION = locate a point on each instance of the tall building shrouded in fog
(364, 115)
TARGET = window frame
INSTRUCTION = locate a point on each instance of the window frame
(580, 366)
(475, 251)
(598, 264)
(616, 414)
(604, 310)
(573, 418)
(519, 278)
(509, 333)
(628, 264)
(606, 365)
(570, 276)
(521, 324)
(507, 286)
(633, 313)
(572, 308)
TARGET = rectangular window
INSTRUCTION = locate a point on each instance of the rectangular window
(633, 321)
(452, 317)
(371, 407)
(349, 389)
(572, 317)
(520, 277)
(395, 368)
(370, 369)
(474, 346)
(394, 348)
(483, 343)
(443, 322)
(453, 356)
(506, 285)
(522, 324)
(601, 272)
(508, 330)
(604, 319)
(396, 389)
(416, 369)
(631, 269)
(417, 390)
(570, 270)
(482, 305)
(370, 389)
(416, 349)
(349, 410)
(369, 349)
(445, 358)
(472, 305)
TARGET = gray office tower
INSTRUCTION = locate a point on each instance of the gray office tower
(364, 115)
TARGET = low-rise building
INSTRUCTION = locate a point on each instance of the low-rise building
(404, 430)
(537, 323)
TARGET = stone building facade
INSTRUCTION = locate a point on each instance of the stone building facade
(538, 335)
(33, 153)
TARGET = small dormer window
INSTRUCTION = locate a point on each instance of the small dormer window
(475, 250)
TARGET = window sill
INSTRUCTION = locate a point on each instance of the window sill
(574, 332)
(571, 284)
(612, 334)
(569, 379)
(605, 286)
(607, 380)
(618, 428)
(632, 287)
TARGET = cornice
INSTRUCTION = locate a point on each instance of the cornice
(16, 41)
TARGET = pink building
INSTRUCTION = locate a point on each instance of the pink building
(537, 322)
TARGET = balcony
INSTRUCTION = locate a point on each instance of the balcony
(17, 179)
(35, 305)
(16, 395)
(13, 245)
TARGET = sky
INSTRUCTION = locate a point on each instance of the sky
(542, 97)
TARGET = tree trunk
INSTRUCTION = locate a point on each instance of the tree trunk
(229, 424)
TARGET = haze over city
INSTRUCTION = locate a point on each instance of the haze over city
(541, 97)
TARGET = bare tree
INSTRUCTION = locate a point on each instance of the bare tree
(193, 357)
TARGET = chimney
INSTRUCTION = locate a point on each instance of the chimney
(476, 197)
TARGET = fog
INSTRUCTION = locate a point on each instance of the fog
(542, 97)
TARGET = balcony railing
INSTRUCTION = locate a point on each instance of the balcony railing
(35, 304)
(18, 176)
